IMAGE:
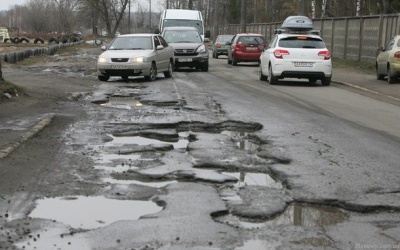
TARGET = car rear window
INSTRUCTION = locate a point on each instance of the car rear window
(302, 42)
(224, 38)
(251, 40)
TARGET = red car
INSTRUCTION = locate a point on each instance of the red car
(245, 47)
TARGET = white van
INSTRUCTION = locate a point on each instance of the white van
(182, 18)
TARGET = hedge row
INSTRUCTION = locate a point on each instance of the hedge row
(17, 56)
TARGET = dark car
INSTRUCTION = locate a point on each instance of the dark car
(219, 47)
(190, 50)
(245, 47)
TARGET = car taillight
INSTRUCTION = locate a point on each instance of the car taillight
(279, 53)
(397, 54)
(238, 47)
(325, 53)
(218, 45)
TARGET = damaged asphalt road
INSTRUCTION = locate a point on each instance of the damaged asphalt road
(212, 160)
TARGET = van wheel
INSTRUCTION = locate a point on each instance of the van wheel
(378, 76)
(204, 67)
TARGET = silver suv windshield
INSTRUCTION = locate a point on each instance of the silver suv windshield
(182, 36)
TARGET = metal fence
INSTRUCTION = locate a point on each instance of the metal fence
(355, 38)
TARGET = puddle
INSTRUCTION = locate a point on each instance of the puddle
(256, 245)
(51, 239)
(182, 143)
(154, 184)
(294, 215)
(242, 143)
(91, 212)
(122, 102)
(254, 179)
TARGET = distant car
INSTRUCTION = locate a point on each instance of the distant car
(245, 47)
(136, 55)
(190, 50)
(219, 47)
(388, 61)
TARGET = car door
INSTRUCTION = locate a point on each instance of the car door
(230, 47)
(266, 55)
(161, 55)
(383, 57)
(168, 51)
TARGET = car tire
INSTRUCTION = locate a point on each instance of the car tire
(204, 67)
(214, 55)
(391, 78)
(152, 74)
(273, 80)
(234, 61)
(378, 76)
(168, 73)
(125, 78)
(262, 76)
(326, 81)
(312, 80)
(229, 61)
(103, 78)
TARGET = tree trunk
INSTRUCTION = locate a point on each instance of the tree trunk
(386, 6)
(1, 75)
(243, 16)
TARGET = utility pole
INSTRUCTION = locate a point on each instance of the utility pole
(243, 16)
(216, 15)
(150, 15)
(167, 4)
(129, 17)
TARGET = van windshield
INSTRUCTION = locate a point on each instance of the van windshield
(182, 36)
(184, 23)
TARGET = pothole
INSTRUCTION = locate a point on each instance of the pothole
(83, 212)
(154, 184)
(295, 215)
(254, 179)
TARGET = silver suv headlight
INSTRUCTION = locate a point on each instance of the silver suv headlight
(201, 49)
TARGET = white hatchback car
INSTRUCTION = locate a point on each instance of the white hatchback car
(136, 55)
(296, 56)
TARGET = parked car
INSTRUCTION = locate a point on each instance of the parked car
(297, 53)
(245, 47)
(136, 55)
(219, 47)
(388, 61)
(190, 50)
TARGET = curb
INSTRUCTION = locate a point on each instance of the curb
(6, 151)
(366, 90)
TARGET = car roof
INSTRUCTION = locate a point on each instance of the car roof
(140, 34)
(284, 35)
(180, 28)
(249, 34)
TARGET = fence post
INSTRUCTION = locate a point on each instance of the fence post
(1, 74)
(360, 43)
(346, 35)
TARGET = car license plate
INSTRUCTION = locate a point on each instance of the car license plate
(303, 64)
(251, 48)
(185, 59)
(119, 66)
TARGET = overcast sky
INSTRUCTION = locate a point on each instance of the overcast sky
(6, 4)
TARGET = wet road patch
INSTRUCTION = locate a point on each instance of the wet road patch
(82, 212)
(301, 215)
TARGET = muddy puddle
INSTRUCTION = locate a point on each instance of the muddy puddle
(295, 215)
(83, 212)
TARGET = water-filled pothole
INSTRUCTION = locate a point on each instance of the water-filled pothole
(254, 179)
(91, 212)
(122, 102)
(155, 184)
(182, 142)
(295, 215)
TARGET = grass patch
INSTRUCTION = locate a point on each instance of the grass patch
(7, 87)
(363, 66)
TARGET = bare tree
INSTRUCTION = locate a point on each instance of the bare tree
(111, 12)
(38, 16)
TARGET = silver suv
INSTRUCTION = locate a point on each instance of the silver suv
(189, 47)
